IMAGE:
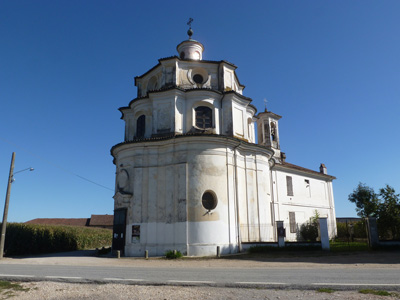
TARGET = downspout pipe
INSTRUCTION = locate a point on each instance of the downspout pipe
(272, 164)
(237, 199)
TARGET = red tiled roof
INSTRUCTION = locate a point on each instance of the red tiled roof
(70, 222)
(101, 220)
(295, 167)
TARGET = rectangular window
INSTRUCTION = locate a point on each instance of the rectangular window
(289, 185)
(292, 222)
(135, 233)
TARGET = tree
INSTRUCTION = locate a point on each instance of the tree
(389, 213)
(366, 201)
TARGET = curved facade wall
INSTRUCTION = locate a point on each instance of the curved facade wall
(167, 180)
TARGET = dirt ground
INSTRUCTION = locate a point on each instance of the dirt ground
(64, 291)
(57, 290)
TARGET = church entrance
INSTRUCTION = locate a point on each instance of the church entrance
(119, 228)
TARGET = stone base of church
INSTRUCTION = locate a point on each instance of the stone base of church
(186, 250)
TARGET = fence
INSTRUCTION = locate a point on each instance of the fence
(295, 232)
(255, 233)
(353, 231)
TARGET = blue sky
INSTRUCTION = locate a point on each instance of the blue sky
(330, 68)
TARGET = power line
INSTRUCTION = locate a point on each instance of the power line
(54, 164)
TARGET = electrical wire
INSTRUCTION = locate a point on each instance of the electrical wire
(54, 164)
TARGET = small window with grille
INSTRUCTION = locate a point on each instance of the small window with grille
(203, 117)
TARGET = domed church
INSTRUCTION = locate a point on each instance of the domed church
(191, 174)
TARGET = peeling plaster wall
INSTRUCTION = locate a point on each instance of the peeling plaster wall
(169, 178)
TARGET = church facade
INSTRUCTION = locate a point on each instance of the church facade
(191, 174)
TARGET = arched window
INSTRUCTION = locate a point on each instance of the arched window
(153, 84)
(141, 126)
(273, 131)
(203, 117)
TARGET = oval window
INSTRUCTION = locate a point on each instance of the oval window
(209, 201)
(198, 78)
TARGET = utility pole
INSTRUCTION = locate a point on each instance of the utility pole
(4, 224)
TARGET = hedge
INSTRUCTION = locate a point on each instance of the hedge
(359, 231)
(23, 239)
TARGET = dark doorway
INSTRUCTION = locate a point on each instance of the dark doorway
(119, 228)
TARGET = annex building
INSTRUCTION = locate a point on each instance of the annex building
(200, 168)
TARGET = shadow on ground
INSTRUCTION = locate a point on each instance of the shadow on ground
(323, 257)
(79, 253)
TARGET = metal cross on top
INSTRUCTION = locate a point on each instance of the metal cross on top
(265, 103)
(190, 23)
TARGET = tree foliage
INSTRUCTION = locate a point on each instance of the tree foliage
(366, 201)
(389, 213)
(385, 206)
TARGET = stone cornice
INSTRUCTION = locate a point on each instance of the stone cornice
(207, 137)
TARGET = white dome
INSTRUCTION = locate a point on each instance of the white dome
(190, 49)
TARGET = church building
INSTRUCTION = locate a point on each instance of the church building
(200, 168)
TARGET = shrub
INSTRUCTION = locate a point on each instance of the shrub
(309, 230)
(22, 239)
(173, 254)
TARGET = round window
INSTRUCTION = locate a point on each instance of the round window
(209, 201)
(198, 78)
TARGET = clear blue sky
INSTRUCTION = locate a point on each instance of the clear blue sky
(330, 68)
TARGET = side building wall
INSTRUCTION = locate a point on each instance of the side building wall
(299, 196)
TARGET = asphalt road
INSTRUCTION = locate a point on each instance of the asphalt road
(304, 278)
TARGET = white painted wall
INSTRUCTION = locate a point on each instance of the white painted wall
(305, 200)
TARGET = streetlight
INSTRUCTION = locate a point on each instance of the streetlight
(4, 223)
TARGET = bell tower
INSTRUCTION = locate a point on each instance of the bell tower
(268, 131)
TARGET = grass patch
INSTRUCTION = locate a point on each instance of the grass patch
(337, 246)
(325, 290)
(375, 292)
(8, 288)
(173, 254)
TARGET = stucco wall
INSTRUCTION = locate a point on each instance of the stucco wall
(169, 178)
(308, 197)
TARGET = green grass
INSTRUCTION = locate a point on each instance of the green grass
(173, 254)
(336, 246)
(375, 292)
(7, 289)
(325, 290)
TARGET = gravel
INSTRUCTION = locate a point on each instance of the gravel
(57, 290)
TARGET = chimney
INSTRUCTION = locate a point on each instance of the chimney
(322, 169)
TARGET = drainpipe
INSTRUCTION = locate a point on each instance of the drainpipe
(237, 199)
(272, 195)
